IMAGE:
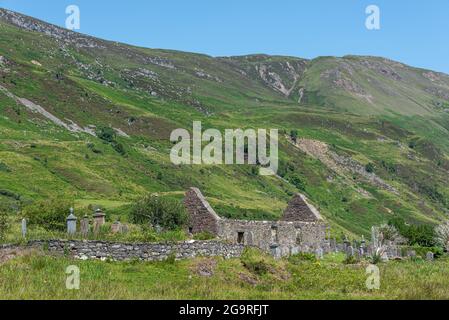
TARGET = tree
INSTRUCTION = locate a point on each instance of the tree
(50, 214)
(157, 211)
(106, 134)
(369, 167)
(294, 135)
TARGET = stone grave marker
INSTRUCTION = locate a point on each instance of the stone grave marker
(116, 227)
(84, 226)
(24, 228)
(71, 223)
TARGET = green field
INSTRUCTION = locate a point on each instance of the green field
(37, 276)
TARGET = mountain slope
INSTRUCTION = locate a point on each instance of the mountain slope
(373, 132)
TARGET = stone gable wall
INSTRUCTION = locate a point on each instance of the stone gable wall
(201, 215)
(299, 209)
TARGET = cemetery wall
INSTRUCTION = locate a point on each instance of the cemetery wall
(141, 251)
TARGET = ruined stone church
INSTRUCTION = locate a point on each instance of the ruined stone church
(301, 228)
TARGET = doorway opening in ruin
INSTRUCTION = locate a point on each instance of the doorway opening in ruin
(240, 237)
(191, 230)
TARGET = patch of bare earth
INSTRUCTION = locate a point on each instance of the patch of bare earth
(9, 253)
(205, 267)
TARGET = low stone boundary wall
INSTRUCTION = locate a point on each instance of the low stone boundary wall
(142, 251)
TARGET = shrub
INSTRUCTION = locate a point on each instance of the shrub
(422, 235)
(50, 214)
(294, 135)
(376, 258)
(108, 134)
(105, 133)
(390, 233)
(302, 257)
(350, 260)
(157, 211)
(442, 235)
(369, 168)
(117, 146)
(255, 261)
(4, 167)
(297, 182)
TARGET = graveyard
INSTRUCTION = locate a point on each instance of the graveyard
(117, 262)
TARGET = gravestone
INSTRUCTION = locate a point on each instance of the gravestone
(99, 220)
(124, 228)
(116, 227)
(346, 243)
(275, 251)
(430, 256)
(319, 253)
(411, 254)
(333, 245)
(24, 228)
(71, 223)
(85, 226)
(350, 251)
(363, 242)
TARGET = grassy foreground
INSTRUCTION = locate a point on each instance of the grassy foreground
(38, 276)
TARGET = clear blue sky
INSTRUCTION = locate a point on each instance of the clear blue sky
(414, 32)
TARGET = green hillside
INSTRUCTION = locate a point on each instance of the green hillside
(372, 133)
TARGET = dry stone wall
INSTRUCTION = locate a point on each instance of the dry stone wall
(141, 251)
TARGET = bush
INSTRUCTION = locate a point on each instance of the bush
(350, 260)
(294, 135)
(255, 261)
(49, 214)
(157, 211)
(302, 257)
(107, 134)
(422, 235)
(442, 235)
(369, 167)
(297, 182)
(375, 258)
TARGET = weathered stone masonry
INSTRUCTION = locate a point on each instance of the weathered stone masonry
(301, 228)
(140, 251)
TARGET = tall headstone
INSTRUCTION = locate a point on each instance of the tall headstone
(346, 243)
(24, 228)
(71, 223)
(429, 256)
(374, 239)
(350, 251)
(85, 226)
(99, 220)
